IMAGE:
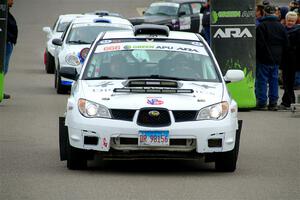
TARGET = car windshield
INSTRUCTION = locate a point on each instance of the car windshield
(62, 26)
(87, 34)
(154, 60)
(168, 9)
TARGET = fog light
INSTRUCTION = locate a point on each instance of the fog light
(215, 143)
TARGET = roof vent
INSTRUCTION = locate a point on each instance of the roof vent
(151, 29)
(101, 20)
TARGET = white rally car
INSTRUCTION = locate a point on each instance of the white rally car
(72, 46)
(59, 27)
(150, 93)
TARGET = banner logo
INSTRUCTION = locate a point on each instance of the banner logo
(233, 33)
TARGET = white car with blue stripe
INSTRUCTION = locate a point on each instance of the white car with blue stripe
(150, 93)
(72, 46)
(56, 31)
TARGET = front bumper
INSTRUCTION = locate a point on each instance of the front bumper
(107, 135)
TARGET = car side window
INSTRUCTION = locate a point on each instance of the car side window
(185, 8)
(196, 7)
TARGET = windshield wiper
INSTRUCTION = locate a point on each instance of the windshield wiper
(79, 42)
(161, 77)
(103, 78)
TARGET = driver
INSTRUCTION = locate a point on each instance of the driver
(182, 68)
(118, 65)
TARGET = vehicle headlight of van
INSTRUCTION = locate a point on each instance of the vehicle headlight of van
(214, 112)
(92, 110)
(72, 59)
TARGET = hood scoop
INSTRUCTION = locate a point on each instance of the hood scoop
(152, 86)
(152, 83)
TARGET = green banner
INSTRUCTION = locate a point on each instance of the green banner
(233, 43)
(3, 25)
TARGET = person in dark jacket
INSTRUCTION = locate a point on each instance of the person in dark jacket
(271, 41)
(290, 62)
(12, 35)
(206, 21)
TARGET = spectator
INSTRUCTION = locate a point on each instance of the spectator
(206, 21)
(294, 5)
(283, 12)
(12, 35)
(266, 2)
(277, 12)
(259, 13)
(289, 61)
(271, 40)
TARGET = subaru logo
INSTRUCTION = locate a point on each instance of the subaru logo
(154, 113)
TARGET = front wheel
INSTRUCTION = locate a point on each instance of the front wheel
(76, 158)
(60, 89)
(226, 161)
(49, 63)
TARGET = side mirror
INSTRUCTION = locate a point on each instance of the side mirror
(182, 13)
(47, 29)
(57, 42)
(234, 75)
(144, 11)
(69, 73)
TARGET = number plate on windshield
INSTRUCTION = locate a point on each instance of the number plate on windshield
(154, 138)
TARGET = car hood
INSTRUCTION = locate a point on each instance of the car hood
(153, 19)
(205, 93)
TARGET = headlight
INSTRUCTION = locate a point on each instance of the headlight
(92, 110)
(72, 60)
(214, 112)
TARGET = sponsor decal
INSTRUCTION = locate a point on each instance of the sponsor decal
(104, 145)
(112, 48)
(126, 47)
(216, 15)
(104, 142)
(233, 33)
(155, 101)
(187, 49)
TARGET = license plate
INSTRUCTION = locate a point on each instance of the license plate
(154, 138)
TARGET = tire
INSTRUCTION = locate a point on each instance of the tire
(63, 139)
(49, 63)
(76, 158)
(226, 161)
(60, 89)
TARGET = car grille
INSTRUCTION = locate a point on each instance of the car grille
(184, 115)
(123, 114)
(145, 119)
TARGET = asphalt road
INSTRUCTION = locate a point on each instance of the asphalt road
(268, 166)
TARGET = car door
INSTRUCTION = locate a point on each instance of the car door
(184, 16)
(196, 17)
